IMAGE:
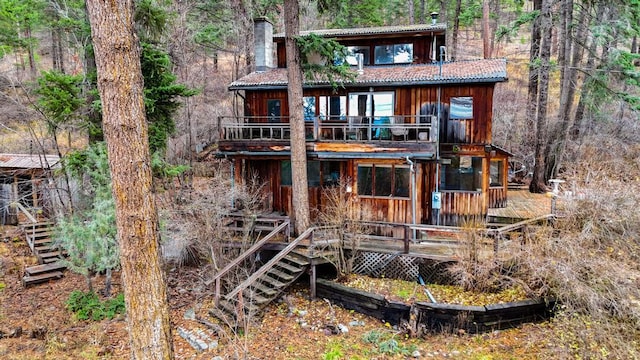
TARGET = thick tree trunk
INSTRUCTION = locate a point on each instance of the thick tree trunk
(534, 71)
(573, 58)
(538, 182)
(486, 42)
(296, 118)
(456, 28)
(93, 116)
(125, 128)
(411, 12)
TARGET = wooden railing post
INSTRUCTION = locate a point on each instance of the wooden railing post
(406, 239)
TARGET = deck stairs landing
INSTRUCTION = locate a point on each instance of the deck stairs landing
(38, 237)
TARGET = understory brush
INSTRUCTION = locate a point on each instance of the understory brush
(88, 306)
(589, 260)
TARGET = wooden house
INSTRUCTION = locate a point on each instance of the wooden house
(411, 134)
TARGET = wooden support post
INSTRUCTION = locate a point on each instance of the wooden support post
(313, 281)
(496, 240)
(406, 239)
(217, 295)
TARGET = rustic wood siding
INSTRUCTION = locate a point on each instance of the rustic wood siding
(460, 206)
(497, 197)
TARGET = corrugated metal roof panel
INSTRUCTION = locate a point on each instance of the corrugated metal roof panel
(379, 30)
(457, 72)
(29, 161)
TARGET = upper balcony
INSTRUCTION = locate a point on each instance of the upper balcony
(384, 131)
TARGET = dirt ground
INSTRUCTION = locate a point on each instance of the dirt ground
(34, 324)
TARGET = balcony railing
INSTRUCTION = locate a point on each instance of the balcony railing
(344, 129)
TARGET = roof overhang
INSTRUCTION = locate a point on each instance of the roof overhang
(448, 73)
(372, 31)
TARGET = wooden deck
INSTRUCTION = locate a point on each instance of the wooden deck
(521, 205)
(422, 241)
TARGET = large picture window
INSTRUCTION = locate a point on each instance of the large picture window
(463, 173)
(383, 181)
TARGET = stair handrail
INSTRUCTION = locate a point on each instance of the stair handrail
(255, 247)
(266, 267)
(25, 211)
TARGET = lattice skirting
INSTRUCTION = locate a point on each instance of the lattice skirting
(386, 265)
(395, 266)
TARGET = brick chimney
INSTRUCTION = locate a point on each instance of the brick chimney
(263, 43)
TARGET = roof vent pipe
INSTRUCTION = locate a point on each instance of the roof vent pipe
(360, 58)
(434, 18)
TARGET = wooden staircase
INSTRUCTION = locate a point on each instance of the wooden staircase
(38, 237)
(264, 285)
(253, 294)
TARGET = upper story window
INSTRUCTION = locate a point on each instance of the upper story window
(352, 52)
(393, 54)
(333, 107)
(309, 107)
(461, 108)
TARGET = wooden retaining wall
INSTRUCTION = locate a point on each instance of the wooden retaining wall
(436, 317)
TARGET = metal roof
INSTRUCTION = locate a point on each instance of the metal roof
(29, 161)
(457, 72)
(379, 30)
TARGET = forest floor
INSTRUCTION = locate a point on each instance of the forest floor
(35, 324)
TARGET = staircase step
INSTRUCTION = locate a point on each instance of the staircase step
(40, 269)
(43, 241)
(43, 249)
(296, 259)
(28, 280)
(264, 289)
(275, 283)
(290, 268)
(39, 234)
(280, 274)
(50, 260)
(229, 307)
(254, 298)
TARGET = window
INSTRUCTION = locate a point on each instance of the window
(461, 108)
(318, 173)
(496, 173)
(383, 180)
(309, 107)
(393, 54)
(330, 173)
(273, 110)
(353, 50)
(463, 173)
(333, 107)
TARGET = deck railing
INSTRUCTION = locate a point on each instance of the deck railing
(346, 128)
